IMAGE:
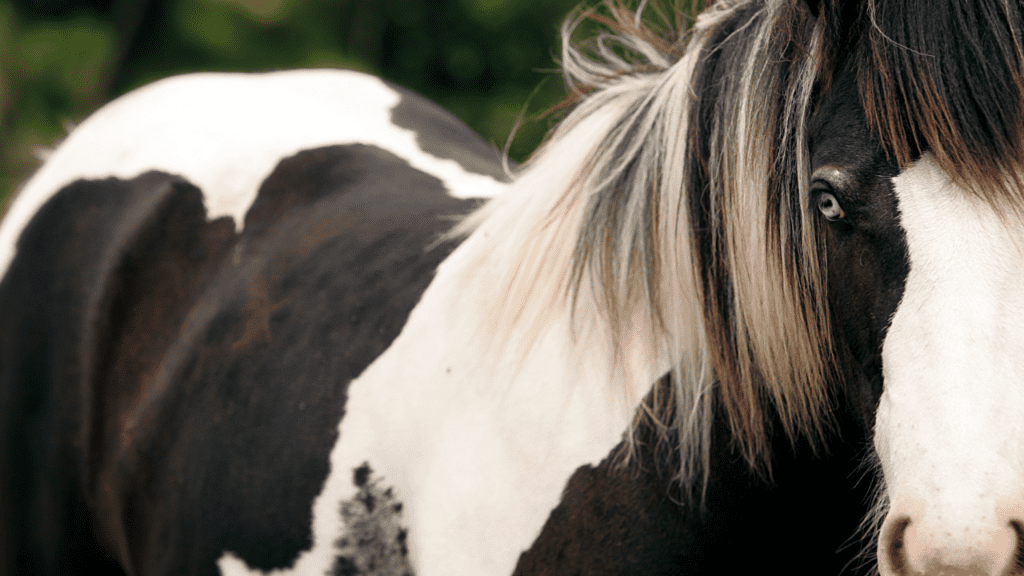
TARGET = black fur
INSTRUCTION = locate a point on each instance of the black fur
(171, 390)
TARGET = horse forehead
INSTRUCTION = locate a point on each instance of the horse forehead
(839, 133)
(959, 329)
(959, 241)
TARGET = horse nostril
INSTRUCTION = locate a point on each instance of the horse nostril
(904, 551)
(1017, 568)
(894, 546)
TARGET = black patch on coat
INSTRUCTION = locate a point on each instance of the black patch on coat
(361, 475)
(65, 306)
(617, 518)
(171, 390)
(374, 540)
(441, 134)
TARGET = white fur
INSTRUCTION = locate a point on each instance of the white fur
(226, 133)
(950, 424)
(479, 430)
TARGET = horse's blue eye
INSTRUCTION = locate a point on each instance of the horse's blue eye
(829, 206)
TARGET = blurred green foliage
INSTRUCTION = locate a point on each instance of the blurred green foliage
(482, 59)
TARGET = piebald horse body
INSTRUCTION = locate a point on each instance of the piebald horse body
(757, 303)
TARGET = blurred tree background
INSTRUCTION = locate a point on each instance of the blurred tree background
(482, 59)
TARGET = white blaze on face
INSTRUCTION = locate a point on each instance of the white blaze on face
(950, 424)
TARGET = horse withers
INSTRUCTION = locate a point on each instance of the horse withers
(755, 304)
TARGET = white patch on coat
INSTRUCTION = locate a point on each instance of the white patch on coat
(478, 430)
(950, 423)
(225, 133)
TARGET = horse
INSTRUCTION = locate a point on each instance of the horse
(756, 303)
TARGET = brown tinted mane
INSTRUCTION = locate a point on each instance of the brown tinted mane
(945, 76)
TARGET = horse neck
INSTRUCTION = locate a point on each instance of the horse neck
(505, 290)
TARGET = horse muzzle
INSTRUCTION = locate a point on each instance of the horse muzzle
(928, 543)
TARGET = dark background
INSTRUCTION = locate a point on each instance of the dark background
(488, 61)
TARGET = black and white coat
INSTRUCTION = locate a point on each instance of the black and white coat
(237, 337)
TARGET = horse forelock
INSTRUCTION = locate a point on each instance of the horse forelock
(946, 77)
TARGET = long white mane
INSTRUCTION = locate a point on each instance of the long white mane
(664, 213)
